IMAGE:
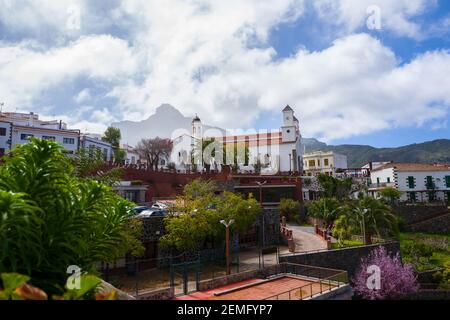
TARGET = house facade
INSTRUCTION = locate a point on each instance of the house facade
(323, 162)
(416, 182)
(94, 142)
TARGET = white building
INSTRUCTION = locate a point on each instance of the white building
(325, 162)
(18, 128)
(278, 150)
(5, 137)
(131, 155)
(94, 142)
(416, 182)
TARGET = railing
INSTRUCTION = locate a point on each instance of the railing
(319, 285)
(382, 185)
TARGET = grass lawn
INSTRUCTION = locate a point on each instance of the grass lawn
(425, 251)
(347, 244)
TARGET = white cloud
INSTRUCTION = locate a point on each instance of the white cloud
(396, 16)
(83, 96)
(214, 59)
(26, 73)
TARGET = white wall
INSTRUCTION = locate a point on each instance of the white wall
(420, 183)
(340, 161)
(38, 133)
(4, 140)
(383, 176)
(105, 147)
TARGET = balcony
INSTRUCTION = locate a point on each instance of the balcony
(382, 185)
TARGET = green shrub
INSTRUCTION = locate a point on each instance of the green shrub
(51, 220)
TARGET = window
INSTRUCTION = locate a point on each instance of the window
(447, 181)
(388, 180)
(69, 141)
(326, 162)
(2, 132)
(318, 162)
(412, 196)
(48, 138)
(378, 180)
(312, 163)
(411, 182)
(26, 136)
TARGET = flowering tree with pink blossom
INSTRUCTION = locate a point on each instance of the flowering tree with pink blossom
(382, 277)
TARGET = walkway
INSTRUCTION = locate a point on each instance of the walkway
(305, 239)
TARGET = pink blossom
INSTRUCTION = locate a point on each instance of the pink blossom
(397, 281)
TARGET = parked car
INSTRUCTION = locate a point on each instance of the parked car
(160, 206)
(152, 213)
(139, 210)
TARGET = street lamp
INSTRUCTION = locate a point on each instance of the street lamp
(364, 225)
(227, 240)
(261, 184)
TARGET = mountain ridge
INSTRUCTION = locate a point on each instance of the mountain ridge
(436, 151)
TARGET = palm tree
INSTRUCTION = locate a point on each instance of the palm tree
(372, 217)
(51, 220)
(326, 209)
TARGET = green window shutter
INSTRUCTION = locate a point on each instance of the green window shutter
(447, 181)
(389, 180)
(411, 182)
(430, 183)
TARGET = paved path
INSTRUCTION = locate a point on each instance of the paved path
(305, 239)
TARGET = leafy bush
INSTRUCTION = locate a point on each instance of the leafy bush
(200, 212)
(342, 230)
(51, 219)
(289, 207)
(16, 287)
(443, 277)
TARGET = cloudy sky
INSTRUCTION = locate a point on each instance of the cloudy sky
(355, 71)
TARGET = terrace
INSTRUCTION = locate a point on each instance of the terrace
(283, 281)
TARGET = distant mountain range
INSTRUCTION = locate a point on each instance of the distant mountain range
(358, 155)
(167, 119)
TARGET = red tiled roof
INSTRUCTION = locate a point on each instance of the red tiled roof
(415, 167)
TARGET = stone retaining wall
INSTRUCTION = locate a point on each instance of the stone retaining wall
(160, 294)
(436, 225)
(416, 213)
(347, 259)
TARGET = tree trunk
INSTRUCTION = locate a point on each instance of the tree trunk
(368, 239)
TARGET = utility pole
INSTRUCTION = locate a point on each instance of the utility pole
(227, 240)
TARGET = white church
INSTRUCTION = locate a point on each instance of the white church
(275, 151)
